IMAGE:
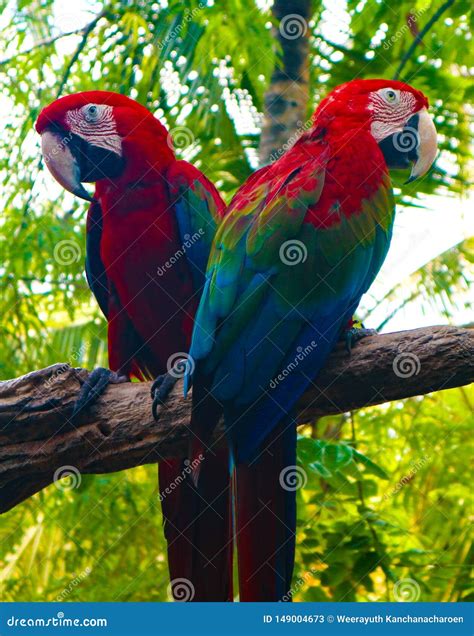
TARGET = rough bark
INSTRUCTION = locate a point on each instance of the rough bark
(286, 99)
(37, 438)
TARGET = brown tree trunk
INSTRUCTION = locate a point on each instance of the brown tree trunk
(39, 443)
(286, 100)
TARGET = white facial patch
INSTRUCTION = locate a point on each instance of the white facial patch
(95, 124)
(381, 129)
(389, 118)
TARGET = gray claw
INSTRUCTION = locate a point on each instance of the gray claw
(160, 390)
(93, 388)
(352, 336)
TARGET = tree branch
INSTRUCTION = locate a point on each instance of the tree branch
(40, 44)
(86, 31)
(419, 36)
(51, 40)
(37, 437)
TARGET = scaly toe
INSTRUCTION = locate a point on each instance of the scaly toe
(160, 390)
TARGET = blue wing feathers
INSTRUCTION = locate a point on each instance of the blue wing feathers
(247, 428)
(253, 379)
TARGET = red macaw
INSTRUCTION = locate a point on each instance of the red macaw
(149, 230)
(301, 242)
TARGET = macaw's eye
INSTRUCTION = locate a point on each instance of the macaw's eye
(91, 113)
(390, 96)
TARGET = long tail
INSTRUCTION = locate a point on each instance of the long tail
(266, 517)
(198, 528)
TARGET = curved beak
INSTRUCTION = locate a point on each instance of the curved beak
(62, 163)
(427, 147)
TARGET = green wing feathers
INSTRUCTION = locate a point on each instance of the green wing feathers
(272, 255)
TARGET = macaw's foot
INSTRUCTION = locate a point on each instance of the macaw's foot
(354, 332)
(94, 386)
(160, 390)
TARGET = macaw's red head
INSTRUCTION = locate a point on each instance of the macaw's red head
(394, 113)
(97, 135)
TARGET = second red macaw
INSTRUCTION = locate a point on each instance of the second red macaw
(301, 242)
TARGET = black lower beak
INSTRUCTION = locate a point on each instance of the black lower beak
(95, 163)
(400, 149)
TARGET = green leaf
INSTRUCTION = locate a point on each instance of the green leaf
(320, 469)
(370, 466)
(336, 456)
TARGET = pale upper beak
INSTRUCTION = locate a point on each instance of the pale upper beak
(62, 164)
(427, 145)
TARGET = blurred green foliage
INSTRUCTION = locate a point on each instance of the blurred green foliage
(390, 505)
(203, 68)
